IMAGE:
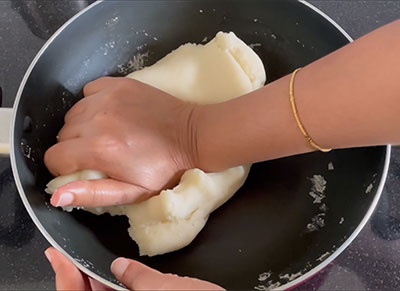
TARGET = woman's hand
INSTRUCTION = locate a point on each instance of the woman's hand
(134, 275)
(141, 137)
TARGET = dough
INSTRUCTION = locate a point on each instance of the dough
(222, 69)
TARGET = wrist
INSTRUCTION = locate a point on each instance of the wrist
(206, 124)
(187, 136)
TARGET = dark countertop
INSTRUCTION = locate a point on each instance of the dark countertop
(372, 261)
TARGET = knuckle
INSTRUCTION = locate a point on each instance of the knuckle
(88, 193)
(62, 133)
(108, 99)
(124, 198)
(49, 160)
(106, 144)
(47, 157)
(100, 118)
(76, 109)
(132, 277)
(90, 87)
(122, 84)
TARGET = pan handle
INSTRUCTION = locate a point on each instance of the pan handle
(5, 125)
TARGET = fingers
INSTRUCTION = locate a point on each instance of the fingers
(100, 84)
(94, 90)
(68, 277)
(96, 193)
(71, 155)
(84, 109)
(69, 132)
(76, 111)
(137, 276)
(97, 286)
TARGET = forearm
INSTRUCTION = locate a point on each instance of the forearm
(349, 98)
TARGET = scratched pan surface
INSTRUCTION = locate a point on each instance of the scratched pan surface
(263, 228)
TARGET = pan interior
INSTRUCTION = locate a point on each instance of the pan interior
(263, 228)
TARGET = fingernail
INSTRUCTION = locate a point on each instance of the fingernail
(119, 266)
(47, 254)
(65, 199)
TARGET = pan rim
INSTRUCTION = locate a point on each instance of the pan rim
(90, 273)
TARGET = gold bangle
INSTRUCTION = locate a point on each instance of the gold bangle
(296, 115)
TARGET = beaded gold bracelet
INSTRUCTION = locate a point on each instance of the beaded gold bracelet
(296, 115)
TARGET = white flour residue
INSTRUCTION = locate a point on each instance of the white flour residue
(253, 45)
(86, 63)
(146, 33)
(299, 42)
(85, 263)
(270, 286)
(323, 256)
(107, 47)
(341, 220)
(135, 64)
(318, 188)
(317, 222)
(205, 39)
(140, 47)
(317, 192)
(26, 150)
(264, 276)
(369, 188)
(330, 166)
(273, 36)
(290, 277)
(74, 83)
(323, 208)
(112, 21)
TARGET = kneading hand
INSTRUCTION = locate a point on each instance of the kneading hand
(132, 274)
(136, 134)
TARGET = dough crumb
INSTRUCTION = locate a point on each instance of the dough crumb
(330, 166)
(264, 276)
(136, 63)
(323, 208)
(253, 45)
(323, 256)
(317, 222)
(318, 188)
(290, 277)
(369, 188)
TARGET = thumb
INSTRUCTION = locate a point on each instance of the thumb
(96, 193)
(68, 277)
(137, 276)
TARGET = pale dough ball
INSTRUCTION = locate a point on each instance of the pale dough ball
(222, 69)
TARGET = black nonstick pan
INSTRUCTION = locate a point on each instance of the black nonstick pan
(271, 233)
